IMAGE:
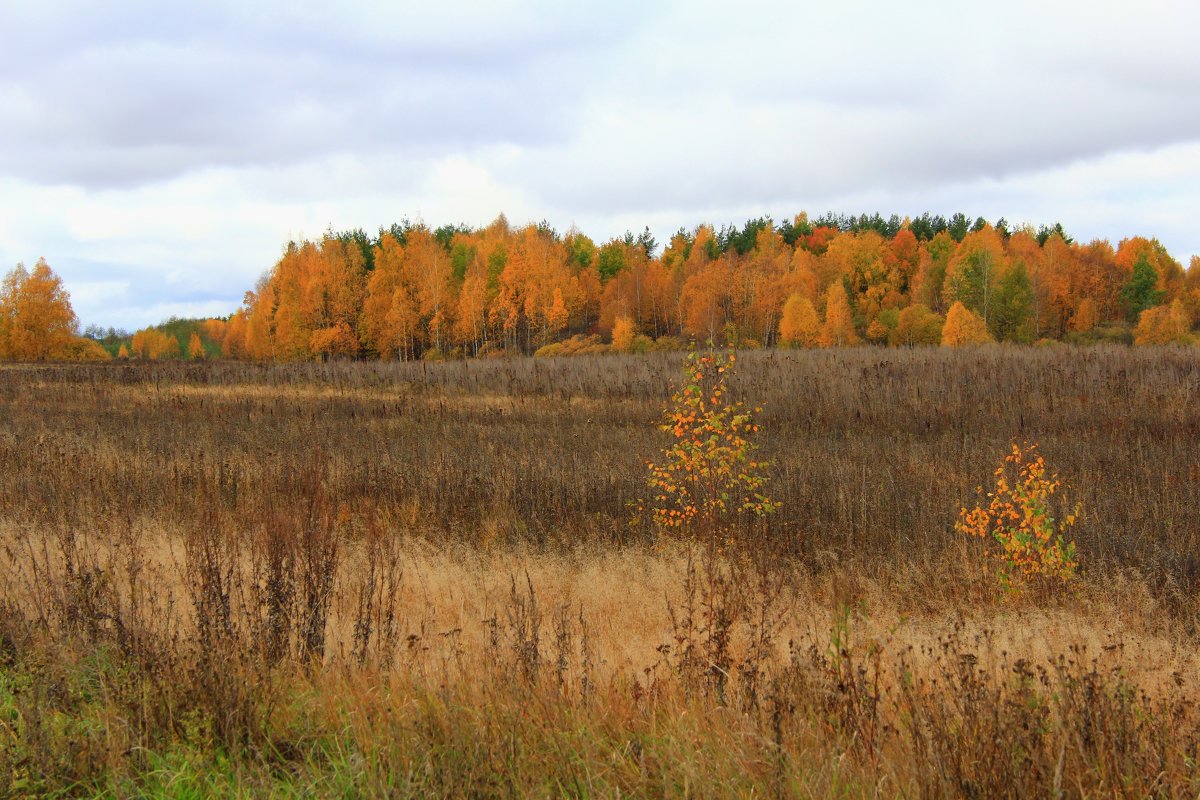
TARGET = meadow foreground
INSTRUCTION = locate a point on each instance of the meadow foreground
(415, 579)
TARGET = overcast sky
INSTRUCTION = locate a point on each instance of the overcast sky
(159, 155)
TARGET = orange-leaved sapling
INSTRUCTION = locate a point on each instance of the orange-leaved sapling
(708, 474)
(1018, 523)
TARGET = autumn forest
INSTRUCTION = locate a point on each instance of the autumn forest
(414, 292)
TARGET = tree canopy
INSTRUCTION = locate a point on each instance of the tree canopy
(37, 322)
(411, 291)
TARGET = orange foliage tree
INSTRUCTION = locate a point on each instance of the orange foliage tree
(155, 345)
(838, 330)
(233, 341)
(708, 473)
(195, 347)
(37, 322)
(916, 325)
(389, 318)
(799, 325)
(1085, 317)
(1025, 537)
(622, 335)
(1163, 325)
(964, 327)
(215, 330)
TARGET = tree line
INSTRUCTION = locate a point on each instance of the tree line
(411, 291)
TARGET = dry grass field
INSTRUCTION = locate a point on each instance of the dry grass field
(427, 580)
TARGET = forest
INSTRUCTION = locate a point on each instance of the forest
(411, 292)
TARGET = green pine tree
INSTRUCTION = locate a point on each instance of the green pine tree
(1139, 293)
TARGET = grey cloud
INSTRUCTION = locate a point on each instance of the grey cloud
(136, 95)
(121, 294)
(786, 139)
(143, 101)
(847, 97)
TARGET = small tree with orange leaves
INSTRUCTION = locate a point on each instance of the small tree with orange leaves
(964, 327)
(1024, 536)
(195, 347)
(622, 335)
(708, 474)
(838, 330)
(799, 325)
(1085, 317)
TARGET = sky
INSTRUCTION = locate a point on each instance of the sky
(160, 155)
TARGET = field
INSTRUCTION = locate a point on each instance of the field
(430, 579)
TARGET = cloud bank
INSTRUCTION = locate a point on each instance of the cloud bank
(160, 156)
